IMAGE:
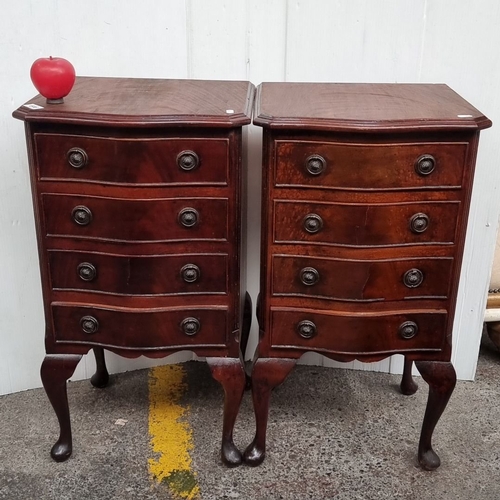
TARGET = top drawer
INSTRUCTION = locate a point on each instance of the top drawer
(334, 165)
(153, 161)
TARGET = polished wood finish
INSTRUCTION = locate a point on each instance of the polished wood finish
(266, 375)
(229, 372)
(360, 280)
(365, 225)
(55, 371)
(160, 328)
(441, 378)
(365, 107)
(408, 385)
(147, 103)
(138, 189)
(126, 220)
(342, 165)
(144, 161)
(140, 275)
(100, 378)
(366, 191)
(353, 334)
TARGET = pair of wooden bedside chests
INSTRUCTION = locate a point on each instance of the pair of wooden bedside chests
(140, 202)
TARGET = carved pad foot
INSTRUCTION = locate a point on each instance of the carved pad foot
(428, 459)
(61, 450)
(254, 456)
(230, 455)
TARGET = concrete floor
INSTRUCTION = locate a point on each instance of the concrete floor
(332, 434)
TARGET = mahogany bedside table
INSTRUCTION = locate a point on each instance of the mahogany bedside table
(366, 191)
(137, 189)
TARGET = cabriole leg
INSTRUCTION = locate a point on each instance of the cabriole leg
(267, 373)
(408, 385)
(230, 374)
(55, 371)
(100, 378)
(441, 378)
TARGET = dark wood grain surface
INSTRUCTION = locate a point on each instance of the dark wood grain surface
(151, 161)
(362, 166)
(364, 106)
(158, 328)
(137, 191)
(140, 275)
(147, 102)
(359, 280)
(357, 334)
(365, 197)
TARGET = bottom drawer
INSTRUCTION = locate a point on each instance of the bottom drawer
(358, 333)
(140, 329)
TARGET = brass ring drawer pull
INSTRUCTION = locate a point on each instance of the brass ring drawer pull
(187, 160)
(419, 223)
(190, 273)
(306, 329)
(413, 278)
(89, 324)
(87, 271)
(309, 276)
(190, 326)
(408, 330)
(313, 223)
(425, 165)
(188, 217)
(81, 215)
(77, 158)
(315, 164)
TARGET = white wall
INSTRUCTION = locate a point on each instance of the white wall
(276, 40)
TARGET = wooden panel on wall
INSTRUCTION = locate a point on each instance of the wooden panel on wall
(282, 40)
(217, 39)
(354, 41)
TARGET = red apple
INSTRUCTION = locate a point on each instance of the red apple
(53, 77)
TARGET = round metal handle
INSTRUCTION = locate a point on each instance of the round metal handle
(419, 223)
(190, 326)
(408, 329)
(188, 217)
(81, 215)
(309, 276)
(315, 164)
(313, 223)
(86, 271)
(306, 329)
(190, 273)
(413, 278)
(77, 157)
(425, 165)
(89, 324)
(187, 160)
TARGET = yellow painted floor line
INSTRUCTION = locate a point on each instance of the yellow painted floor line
(171, 435)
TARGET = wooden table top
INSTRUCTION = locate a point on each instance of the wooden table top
(147, 102)
(377, 107)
